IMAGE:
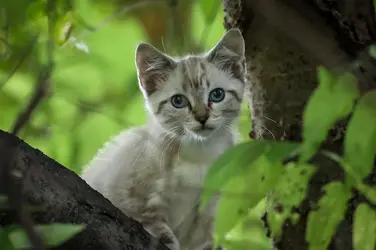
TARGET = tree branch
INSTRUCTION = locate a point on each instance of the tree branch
(63, 197)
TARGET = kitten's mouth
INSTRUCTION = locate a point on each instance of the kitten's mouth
(204, 130)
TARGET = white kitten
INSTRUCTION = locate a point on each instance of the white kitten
(154, 173)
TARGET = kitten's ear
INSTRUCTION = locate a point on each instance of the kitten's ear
(153, 67)
(229, 53)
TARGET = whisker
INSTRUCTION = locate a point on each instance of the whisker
(259, 103)
(163, 152)
(270, 132)
(270, 119)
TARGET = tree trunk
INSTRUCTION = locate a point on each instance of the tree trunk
(285, 42)
(64, 197)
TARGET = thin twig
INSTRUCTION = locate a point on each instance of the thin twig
(24, 55)
(40, 92)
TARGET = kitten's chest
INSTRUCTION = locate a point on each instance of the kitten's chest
(189, 175)
(188, 178)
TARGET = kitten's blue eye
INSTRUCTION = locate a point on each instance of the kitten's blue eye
(217, 95)
(179, 101)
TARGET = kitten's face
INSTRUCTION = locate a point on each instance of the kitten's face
(196, 95)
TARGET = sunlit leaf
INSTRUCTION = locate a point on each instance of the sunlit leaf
(240, 158)
(364, 236)
(293, 184)
(231, 207)
(237, 197)
(360, 139)
(241, 244)
(289, 192)
(247, 234)
(322, 223)
(52, 235)
(331, 101)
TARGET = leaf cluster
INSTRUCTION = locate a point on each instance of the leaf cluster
(251, 171)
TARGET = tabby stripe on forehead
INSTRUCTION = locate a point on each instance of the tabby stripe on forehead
(160, 106)
(207, 84)
(232, 92)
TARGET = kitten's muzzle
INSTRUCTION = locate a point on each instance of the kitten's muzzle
(202, 119)
(203, 128)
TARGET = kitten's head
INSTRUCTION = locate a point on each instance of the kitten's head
(195, 95)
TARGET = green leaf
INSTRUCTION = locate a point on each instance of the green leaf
(248, 233)
(292, 187)
(256, 162)
(372, 50)
(52, 235)
(364, 236)
(322, 223)
(360, 139)
(64, 27)
(240, 158)
(5, 243)
(209, 9)
(231, 207)
(289, 192)
(244, 244)
(368, 191)
(331, 101)
(237, 198)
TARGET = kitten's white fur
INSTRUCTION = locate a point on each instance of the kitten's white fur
(154, 173)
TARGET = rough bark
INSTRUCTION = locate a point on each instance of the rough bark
(62, 196)
(285, 42)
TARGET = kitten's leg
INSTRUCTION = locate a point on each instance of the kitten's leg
(202, 231)
(155, 220)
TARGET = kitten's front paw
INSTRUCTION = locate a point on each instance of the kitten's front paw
(170, 241)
